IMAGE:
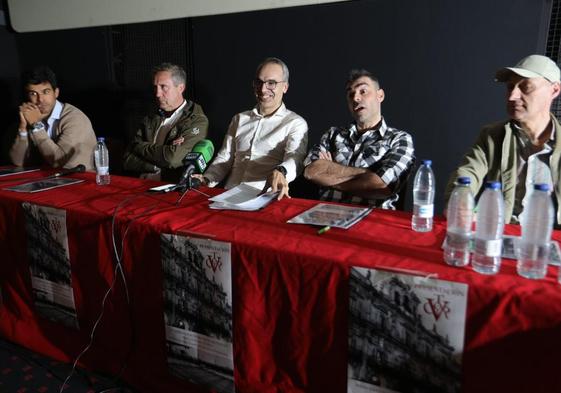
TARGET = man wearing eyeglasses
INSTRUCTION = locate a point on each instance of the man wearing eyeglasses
(264, 147)
(525, 149)
(366, 162)
(49, 131)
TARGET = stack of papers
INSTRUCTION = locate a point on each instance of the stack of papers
(510, 248)
(337, 216)
(242, 197)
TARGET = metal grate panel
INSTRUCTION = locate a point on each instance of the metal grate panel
(553, 43)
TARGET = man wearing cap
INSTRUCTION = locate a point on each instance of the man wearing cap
(525, 149)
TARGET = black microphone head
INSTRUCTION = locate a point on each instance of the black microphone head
(77, 169)
(187, 172)
(194, 182)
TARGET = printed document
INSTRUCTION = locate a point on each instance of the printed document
(242, 197)
(337, 216)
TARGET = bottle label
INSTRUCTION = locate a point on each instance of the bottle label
(102, 170)
(423, 211)
(490, 248)
(458, 240)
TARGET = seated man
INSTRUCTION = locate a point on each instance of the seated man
(51, 132)
(265, 146)
(165, 137)
(525, 149)
(366, 162)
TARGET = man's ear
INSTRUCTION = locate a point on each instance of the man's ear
(556, 90)
(381, 95)
(56, 92)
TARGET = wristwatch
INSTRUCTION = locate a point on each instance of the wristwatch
(281, 169)
(37, 126)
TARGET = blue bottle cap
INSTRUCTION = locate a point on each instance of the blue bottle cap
(541, 187)
(101, 139)
(464, 180)
(427, 162)
(493, 185)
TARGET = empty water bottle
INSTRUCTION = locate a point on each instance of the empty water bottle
(101, 156)
(537, 225)
(423, 198)
(489, 230)
(459, 219)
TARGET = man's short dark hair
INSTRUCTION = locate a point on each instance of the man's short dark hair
(178, 74)
(39, 74)
(359, 73)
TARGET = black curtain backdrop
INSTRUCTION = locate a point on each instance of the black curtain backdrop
(435, 59)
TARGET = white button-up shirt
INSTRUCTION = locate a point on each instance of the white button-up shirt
(255, 145)
(533, 168)
(169, 122)
(54, 118)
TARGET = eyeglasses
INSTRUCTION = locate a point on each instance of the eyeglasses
(270, 84)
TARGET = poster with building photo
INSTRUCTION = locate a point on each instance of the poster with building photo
(49, 263)
(197, 286)
(406, 333)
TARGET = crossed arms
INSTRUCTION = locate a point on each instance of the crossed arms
(357, 181)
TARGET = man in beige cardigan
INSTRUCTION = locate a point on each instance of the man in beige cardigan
(50, 132)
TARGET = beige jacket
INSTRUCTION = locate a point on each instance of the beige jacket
(494, 157)
(73, 143)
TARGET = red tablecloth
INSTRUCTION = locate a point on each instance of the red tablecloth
(290, 291)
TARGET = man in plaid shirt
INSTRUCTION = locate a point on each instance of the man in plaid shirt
(367, 162)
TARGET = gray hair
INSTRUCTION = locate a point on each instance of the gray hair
(178, 74)
(274, 60)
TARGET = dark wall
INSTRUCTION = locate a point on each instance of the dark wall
(80, 59)
(435, 59)
(9, 80)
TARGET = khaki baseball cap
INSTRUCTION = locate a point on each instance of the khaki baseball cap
(533, 66)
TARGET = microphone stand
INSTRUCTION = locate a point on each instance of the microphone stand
(190, 185)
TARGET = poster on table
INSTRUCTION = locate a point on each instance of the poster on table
(406, 333)
(197, 286)
(49, 263)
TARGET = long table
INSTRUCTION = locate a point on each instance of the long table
(290, 291)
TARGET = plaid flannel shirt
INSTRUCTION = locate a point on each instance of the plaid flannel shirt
(386, 151)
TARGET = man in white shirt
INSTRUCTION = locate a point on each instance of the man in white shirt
(264, 147)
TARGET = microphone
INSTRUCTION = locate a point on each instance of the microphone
(196, 161)
(77, 169)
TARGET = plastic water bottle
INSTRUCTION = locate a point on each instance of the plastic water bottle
(423, 198)
(101, 156)
(533, 251)
(460, 218)
(489, 230)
